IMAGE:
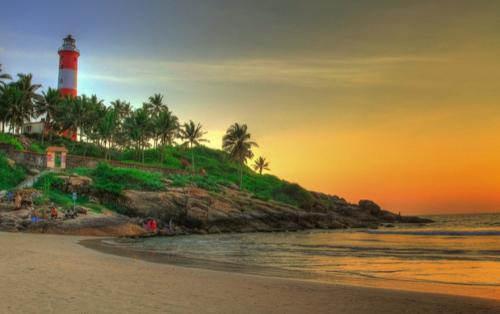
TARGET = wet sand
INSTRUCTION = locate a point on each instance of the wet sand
(54, 274)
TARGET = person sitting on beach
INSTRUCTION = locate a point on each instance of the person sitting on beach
(153, 225)
(53, 212)
(44, 214)
(34, 216)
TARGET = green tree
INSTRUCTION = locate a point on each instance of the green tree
(167, 126)
(3, 78)
(137, 127)
(48, 104)
(4, 106)
(261, 164)
(192, 135)
(236, 142)
(122, 108)
(154, 106)
(25, 109)
(11, 108)
(106, 128)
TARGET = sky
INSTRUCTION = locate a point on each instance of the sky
(394, 101)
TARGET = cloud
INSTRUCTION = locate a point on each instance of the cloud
(306, 72)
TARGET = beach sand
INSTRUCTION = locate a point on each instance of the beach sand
(54, 274)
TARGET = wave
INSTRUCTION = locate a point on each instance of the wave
(437, 232)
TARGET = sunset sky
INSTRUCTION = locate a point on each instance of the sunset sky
(395, 101)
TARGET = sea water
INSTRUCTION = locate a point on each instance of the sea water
(457, 254)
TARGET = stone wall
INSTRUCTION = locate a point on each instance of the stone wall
(39, 161)
(30, 159)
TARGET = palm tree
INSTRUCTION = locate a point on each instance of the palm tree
(123, 108)
(137, 126)
(106, 127)
(154, 106)
(192, 134)
(261, 164)
(12, 108)
(48, 104)
(167, 126)
(236, 142)
(3, 77)
(25, 110)
(3, 103)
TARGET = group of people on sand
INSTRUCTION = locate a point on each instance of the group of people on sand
(44, 214)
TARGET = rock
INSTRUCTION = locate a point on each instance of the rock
(168, 182)
(82, 210)
(33, 171)
(414, 220)
(373, 208)
(93, 199)
(185, 164)
(11, 162)
(214, 229)
(76, 183)
(198, 211)
(233, 186)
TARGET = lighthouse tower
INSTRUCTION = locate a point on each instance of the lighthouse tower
(68, 67)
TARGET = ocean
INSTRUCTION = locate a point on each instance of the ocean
(457, 254)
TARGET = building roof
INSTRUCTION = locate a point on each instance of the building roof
(57, 149)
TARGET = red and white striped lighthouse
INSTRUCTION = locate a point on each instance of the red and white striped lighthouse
(68, 67)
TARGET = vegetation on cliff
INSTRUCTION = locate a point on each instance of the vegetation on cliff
(10, 174)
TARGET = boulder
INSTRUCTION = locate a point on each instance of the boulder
(33, 171)
(370, 206)
(11, 162)
(76, 183)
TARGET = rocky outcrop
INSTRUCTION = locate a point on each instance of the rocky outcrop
(199, 211)
(193, 210)
(91, 224)
(75, 183)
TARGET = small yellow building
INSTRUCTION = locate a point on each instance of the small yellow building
(56, 157)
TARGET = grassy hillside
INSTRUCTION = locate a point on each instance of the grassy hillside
(219, 171)
(10, 176)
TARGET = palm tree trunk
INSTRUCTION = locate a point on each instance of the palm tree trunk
(192, 158)
(241, 176)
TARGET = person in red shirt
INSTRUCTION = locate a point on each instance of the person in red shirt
(153, 225)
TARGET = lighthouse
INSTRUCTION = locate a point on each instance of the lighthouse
(68, 67)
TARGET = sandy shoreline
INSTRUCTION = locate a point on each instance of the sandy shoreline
(53, 274)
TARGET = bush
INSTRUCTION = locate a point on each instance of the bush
(10, 176)
(48, 182)
(294, 194)
(115, 180)
(11, 140)
(34, 147)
